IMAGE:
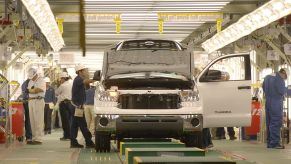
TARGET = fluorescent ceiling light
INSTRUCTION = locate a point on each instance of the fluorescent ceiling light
(41, 12)
(264, 15)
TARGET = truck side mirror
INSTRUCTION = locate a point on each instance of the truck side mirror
(211, 75)
(97, 75)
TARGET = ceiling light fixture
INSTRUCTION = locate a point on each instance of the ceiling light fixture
(43, 16)
(264, 15)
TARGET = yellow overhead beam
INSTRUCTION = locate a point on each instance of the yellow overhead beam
(192, 14)
(90, 17)
(198, 16)
(102, 16)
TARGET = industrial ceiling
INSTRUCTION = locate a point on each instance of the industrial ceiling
(140, 19)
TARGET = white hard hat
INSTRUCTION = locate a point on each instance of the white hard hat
(31, 73)
(47, 79)
(79, 67)
(64, 74)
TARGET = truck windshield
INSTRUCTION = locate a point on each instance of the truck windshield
(149, 45)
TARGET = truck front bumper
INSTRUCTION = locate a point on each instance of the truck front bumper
(153, 126)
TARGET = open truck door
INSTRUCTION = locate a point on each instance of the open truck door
(225, 88)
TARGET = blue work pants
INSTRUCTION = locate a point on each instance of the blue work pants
(206, 137)
(220, 132)
(274, 116)
(65, 108)
(79, 122)
(28, 133)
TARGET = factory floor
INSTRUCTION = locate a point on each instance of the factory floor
(54, 151)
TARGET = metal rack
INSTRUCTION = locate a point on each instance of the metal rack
(5, 111)
(6, 119)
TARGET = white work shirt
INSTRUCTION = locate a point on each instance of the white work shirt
(38, 83)
(64, 91)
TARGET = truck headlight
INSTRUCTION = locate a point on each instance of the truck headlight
(189, 96)
(108, 96)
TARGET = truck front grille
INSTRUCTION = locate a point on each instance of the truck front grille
(149, 101)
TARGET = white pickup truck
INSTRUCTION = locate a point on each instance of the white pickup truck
(147, 90)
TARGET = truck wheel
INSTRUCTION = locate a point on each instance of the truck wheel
(193, 140)
(102, 142)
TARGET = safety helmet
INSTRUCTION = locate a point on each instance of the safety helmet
(79, 67)
(64, 74)
(31, 73)
(47, 79)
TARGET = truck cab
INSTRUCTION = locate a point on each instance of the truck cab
(147, 90)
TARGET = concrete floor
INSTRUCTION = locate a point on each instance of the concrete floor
(54, 151)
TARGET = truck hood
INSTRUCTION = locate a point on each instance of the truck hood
(121, 62)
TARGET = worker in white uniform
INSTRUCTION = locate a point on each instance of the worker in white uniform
(36, 88)
(64, 93)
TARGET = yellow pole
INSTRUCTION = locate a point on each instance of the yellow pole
(219, 24)
(117, 21)
(161, 25)
(60, 22)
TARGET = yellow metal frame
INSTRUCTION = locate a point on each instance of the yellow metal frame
(161, 25)
(192, 14)
(161, 18)
(60, 22)
(117, 21)
(117, 18)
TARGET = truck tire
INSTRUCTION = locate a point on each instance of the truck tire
(102, 142)
(193, 140)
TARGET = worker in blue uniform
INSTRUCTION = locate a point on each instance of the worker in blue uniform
(78, 101)
(274, 89)
(50, 100)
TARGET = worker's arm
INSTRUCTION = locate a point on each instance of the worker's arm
(280, 87)
(59, 90)
(38, 87)
(35, 90)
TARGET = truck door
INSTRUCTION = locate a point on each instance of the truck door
(225, 89)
